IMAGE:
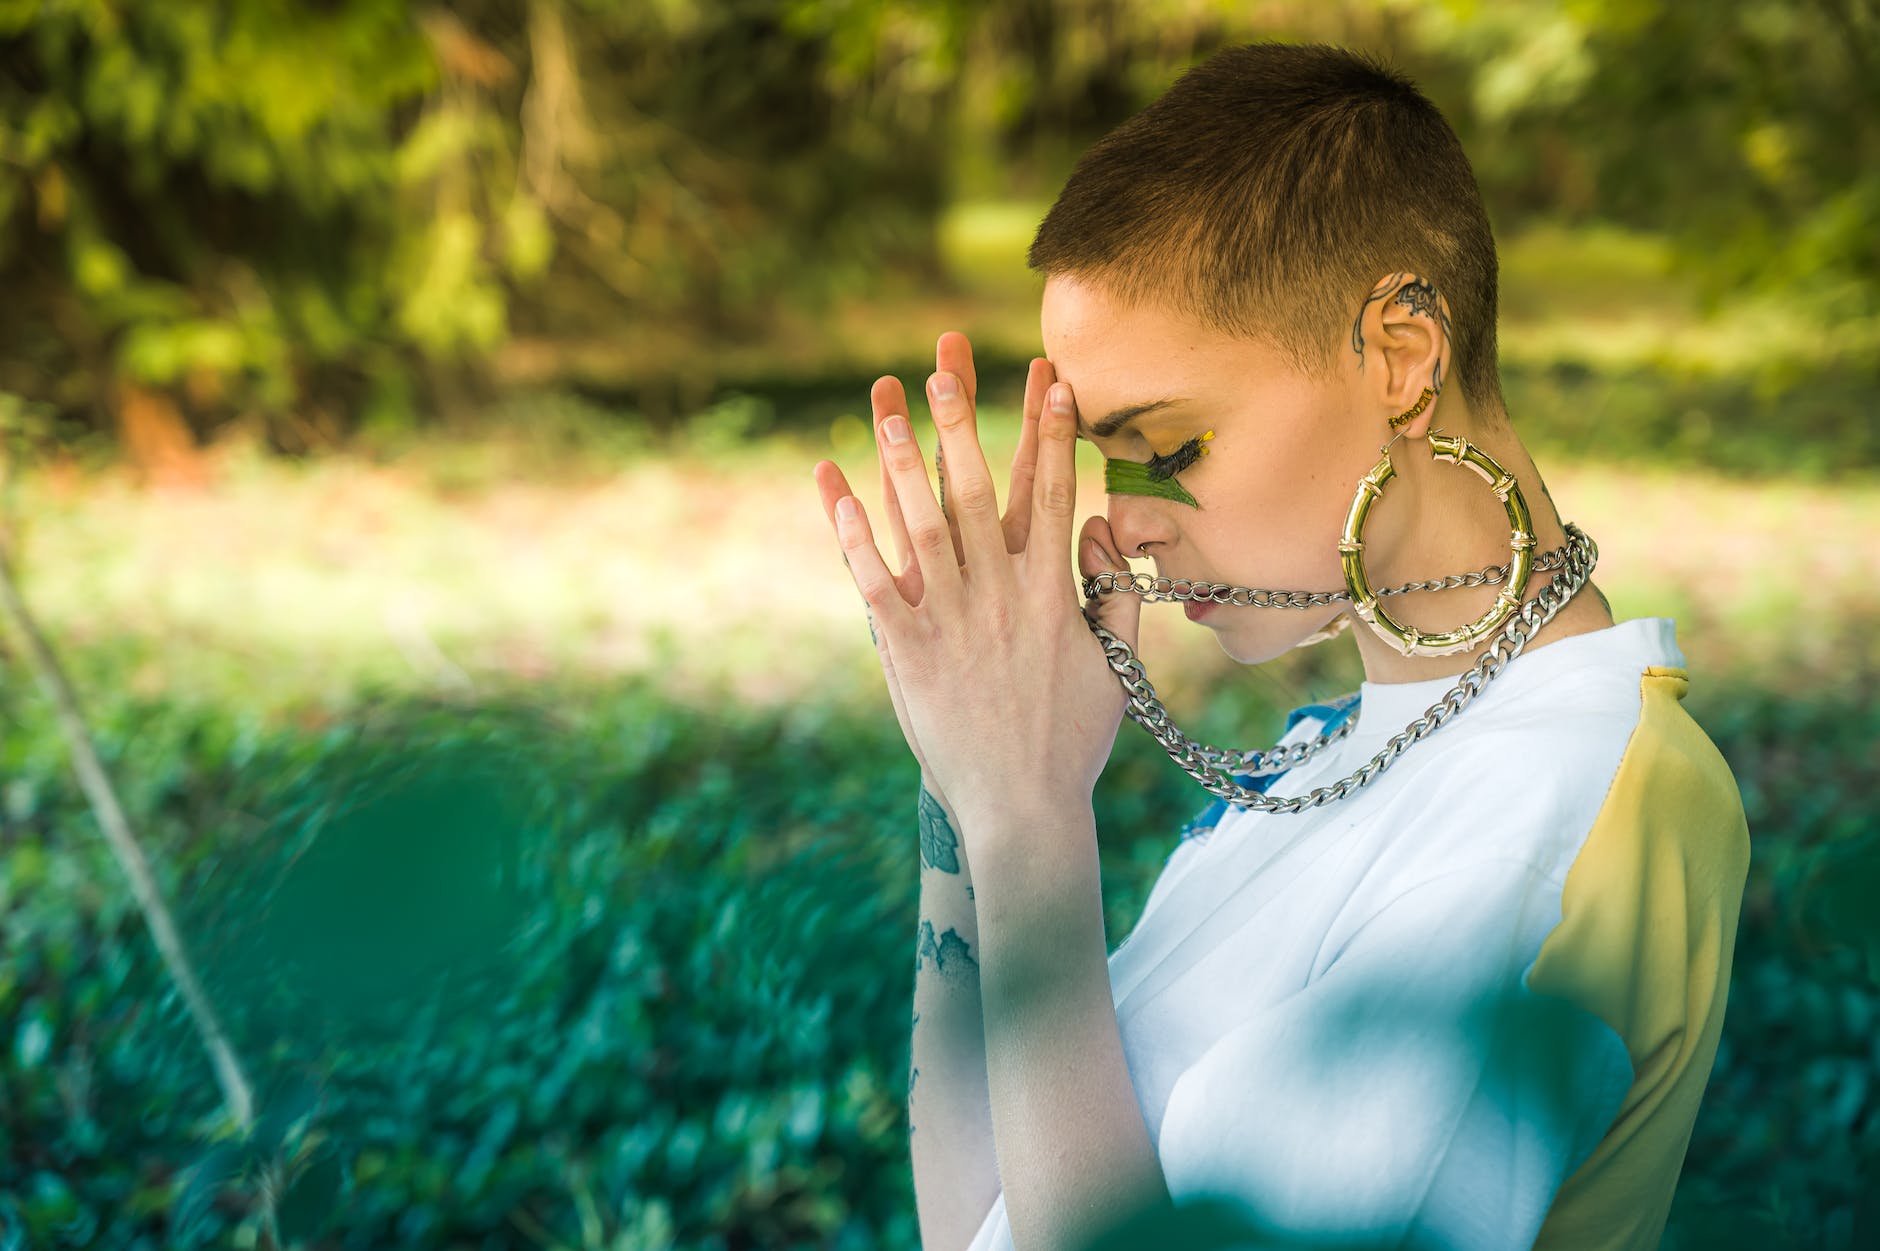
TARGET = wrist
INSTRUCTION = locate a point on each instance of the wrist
(1030, 866)
(1032, 819)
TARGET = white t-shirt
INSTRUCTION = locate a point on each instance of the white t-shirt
(1329, 1017)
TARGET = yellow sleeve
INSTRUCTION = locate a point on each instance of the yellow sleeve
(1648, 928)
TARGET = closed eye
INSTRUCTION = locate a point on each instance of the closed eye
(1164, 467)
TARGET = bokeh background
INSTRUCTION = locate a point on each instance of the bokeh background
(409, 413)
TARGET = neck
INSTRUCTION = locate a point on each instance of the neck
(1436, 518)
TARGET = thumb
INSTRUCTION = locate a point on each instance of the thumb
(1119, 612)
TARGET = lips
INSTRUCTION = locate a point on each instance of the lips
(1194, 608)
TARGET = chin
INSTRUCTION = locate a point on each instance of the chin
(1254, 651)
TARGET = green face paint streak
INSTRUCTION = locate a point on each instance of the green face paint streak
(1131, 477)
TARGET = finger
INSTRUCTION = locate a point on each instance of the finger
(832, 484)
(889, 611)
(953, 354)
(1098, 528)
(974, 504)
(887, 398)
(926, 529)
(833, 487)
(946, 508)
(1120, 614)
(1017, 520)
(1054, 496)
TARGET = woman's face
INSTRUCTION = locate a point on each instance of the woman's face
(1273, 489)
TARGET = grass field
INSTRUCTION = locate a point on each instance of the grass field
(289, 582)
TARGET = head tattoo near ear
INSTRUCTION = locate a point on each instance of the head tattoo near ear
(1418, 296)
(1378, 292)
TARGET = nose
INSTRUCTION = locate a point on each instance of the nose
(1137, 521)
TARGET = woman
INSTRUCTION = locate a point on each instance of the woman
(1447, 967)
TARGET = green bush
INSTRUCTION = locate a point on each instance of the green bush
(627, 970)
(615, 970)
(1816, 427)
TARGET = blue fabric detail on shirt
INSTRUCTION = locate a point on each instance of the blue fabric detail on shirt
(1334, 714)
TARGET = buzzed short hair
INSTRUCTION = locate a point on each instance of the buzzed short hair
(1265, 194)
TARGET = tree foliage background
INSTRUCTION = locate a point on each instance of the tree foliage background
(338, 212)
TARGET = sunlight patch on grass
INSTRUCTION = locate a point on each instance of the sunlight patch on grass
(285, 582)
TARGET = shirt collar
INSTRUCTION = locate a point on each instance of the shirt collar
(1385, 708)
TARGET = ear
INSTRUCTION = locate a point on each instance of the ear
(1402, 338)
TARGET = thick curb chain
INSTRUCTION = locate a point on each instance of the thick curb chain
(1214, 768)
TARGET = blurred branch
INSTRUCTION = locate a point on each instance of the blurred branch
(556, 134)
(460, 53)
(237, 1093)
(555, 127)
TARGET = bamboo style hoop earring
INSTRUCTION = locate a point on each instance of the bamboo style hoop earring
(1457, 451)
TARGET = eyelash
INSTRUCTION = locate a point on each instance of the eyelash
(1164, 467)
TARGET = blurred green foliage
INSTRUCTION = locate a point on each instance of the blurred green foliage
(214, 195)
(1818, 431)
(325, 213)
(1748, 130)
(345, 207)
(652, 991)
(600, 968)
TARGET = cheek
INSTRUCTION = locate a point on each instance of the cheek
(1299, 494)
(1271, 531)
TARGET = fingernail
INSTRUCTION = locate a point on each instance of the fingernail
(845, 508)
(945, 386)
(895, 428)
(1061, 398)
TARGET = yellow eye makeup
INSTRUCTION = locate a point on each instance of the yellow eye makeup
(1181, 458)
(1156, 477)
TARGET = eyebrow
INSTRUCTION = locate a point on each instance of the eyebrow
(1123, 416)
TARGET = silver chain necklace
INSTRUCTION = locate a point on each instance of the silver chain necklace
(1215, 767)
(1159, 590)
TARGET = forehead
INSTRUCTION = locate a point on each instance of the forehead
(1112, 353)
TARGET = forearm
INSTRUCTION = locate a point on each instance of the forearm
(1074, 1153)
(956, 1178)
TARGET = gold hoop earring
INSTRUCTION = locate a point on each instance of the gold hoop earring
(1457, 451)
